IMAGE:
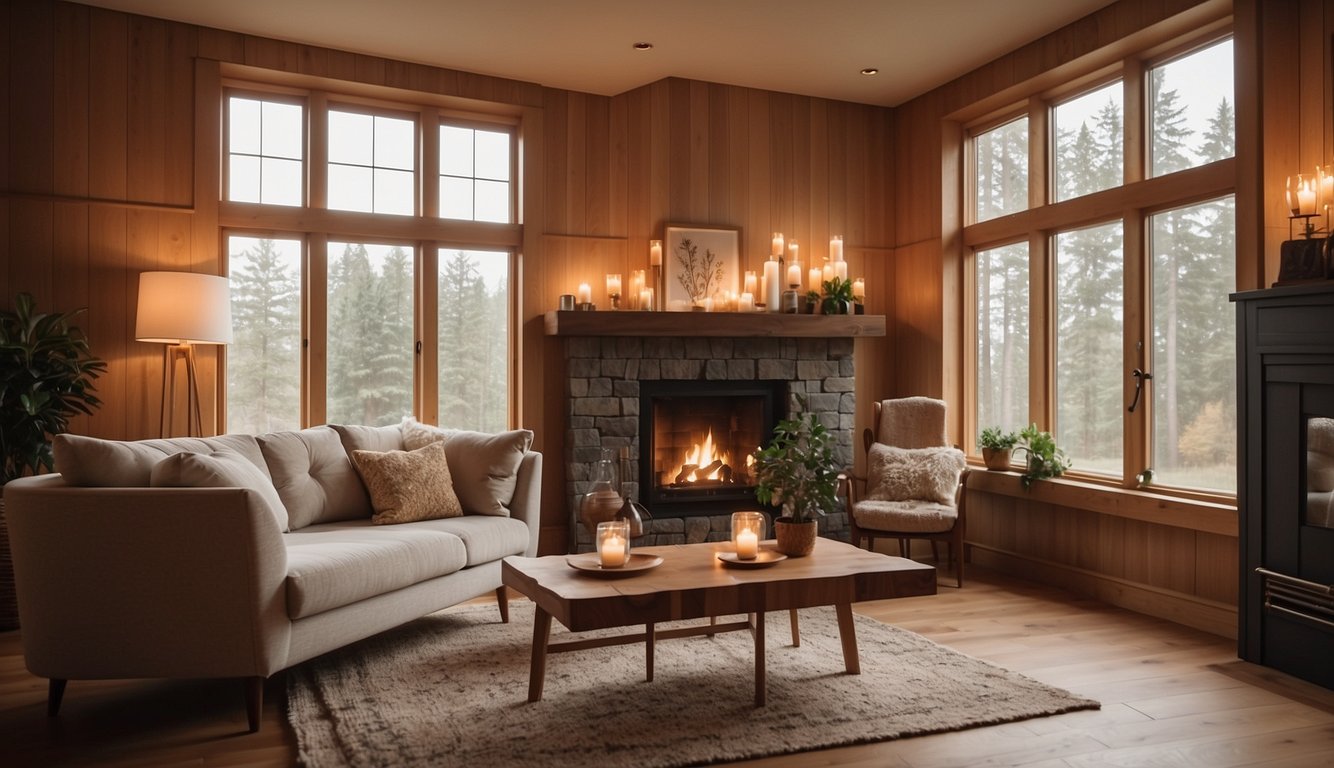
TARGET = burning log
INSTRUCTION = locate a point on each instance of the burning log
(684, 474)
(726, 474)
(701, 474)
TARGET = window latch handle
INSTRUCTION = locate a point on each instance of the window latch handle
(1140, 378)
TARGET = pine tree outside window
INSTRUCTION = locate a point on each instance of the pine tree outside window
(1115, 269)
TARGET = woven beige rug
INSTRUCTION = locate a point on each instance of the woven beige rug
(451, 689)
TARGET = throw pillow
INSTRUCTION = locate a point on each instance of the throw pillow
(484, 466)
(314, 476)
(908, 474)
(408, 485)
(91, 461)
(220, 469)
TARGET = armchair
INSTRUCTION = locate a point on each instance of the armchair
(913, 488)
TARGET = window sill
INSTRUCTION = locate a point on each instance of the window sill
(1207, 517)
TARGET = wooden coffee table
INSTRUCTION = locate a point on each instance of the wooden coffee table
(692, 583)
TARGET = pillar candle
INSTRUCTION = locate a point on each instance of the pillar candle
(646, 299)
(585, 293)
(827, 273)
(655, 253)
(613, 552)
(859, 288)
(636, 287)
(749, 284)
(772, 288)
(792, 251)
(747, 545)
(777, 245)
(813, 283)
(841, 270)
(836, 248)
(794, 275)
(613, 285)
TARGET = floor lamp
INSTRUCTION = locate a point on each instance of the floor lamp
(182, 309)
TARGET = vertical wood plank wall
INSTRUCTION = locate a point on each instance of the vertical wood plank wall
(97, 161)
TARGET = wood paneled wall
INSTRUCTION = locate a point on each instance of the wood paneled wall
(97, 164)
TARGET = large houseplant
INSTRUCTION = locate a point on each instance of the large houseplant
(46, 376)
(797, 470)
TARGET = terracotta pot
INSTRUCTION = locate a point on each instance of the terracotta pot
(795, 539)
(997, 458)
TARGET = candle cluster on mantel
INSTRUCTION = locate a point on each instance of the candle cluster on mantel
(761, 290)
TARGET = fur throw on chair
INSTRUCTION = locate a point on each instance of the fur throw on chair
(925, 474)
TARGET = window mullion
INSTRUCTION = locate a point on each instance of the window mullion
(1137, 346)
(1042, 343)
(317, 138)
(315, 361)
(1039, 149)
(428, 334)
(1134, 121)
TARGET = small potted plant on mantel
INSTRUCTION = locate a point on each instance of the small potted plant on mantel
(797, 471)
(997, 447)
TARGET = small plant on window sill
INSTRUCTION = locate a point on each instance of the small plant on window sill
(1043, 459)
(997, 447)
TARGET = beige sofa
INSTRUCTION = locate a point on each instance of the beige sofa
(120, 576)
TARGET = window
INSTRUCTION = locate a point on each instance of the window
(1114, 266)
(370, 295)
(264, 151)
(1001, 168)
(474, 174)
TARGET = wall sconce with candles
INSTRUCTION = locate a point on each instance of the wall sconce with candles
(1303, 260)
(182, 309)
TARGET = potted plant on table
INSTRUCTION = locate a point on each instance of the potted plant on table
(997, 447)
(46, 376)
(797, 471)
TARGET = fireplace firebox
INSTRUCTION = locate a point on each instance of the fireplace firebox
(697, 440)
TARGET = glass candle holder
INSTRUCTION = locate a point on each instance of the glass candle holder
(747, 531)
(613, 543)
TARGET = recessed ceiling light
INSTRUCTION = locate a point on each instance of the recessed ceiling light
(643, 46)
(871, 71)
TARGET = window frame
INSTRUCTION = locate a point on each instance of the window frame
(315, 225)
(1133, 203)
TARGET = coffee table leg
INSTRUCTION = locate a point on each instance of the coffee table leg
(847, 632)
(648, 652)
(796, 629)
(760, 687)
(537, 673)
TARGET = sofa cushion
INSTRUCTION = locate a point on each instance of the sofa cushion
(314, 477)
(220, 469)
(408, 485)
(486, 537)
(359, 438)
(905, 516)
(926, 474)
(90, 461)
(336, 564)
(484, 466)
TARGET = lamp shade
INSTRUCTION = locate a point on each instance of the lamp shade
(180, 307)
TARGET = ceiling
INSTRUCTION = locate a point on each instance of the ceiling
(810, 47)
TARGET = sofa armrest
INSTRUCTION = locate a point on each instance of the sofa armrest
(147, 582)
(527, 502)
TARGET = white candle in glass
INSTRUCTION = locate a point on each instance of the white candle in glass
(585, 293)
(859, 288)
(747, 545)
(655, 253)
(613, 285)
(794, 276)
(813, 283)
(746, 302)
(613, 552)
(748, 285)
(777, 249)
(646, 299)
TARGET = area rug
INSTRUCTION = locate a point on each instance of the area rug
(451, 689)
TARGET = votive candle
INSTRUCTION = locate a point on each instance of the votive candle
(746, 302)
(748, 285)
(813, 283)
(859, 288)
(585, 293)
(794, 275)
(646, 299)
(777, 249)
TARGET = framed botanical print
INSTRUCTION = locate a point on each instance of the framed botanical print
(701, 262)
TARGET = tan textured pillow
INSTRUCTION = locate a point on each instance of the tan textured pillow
(220, 469)
(484, 466)
(408, 485)
(921, 474)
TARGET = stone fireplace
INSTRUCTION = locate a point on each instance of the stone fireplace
(611, 379)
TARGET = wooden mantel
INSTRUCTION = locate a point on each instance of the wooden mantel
(718, 324)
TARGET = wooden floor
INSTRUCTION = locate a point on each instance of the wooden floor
(1171, 696)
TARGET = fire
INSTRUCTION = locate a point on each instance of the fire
(704, 456)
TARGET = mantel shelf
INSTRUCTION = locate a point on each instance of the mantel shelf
(716, 324)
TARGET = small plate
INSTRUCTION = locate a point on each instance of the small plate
(762, 559)
(588, 563)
